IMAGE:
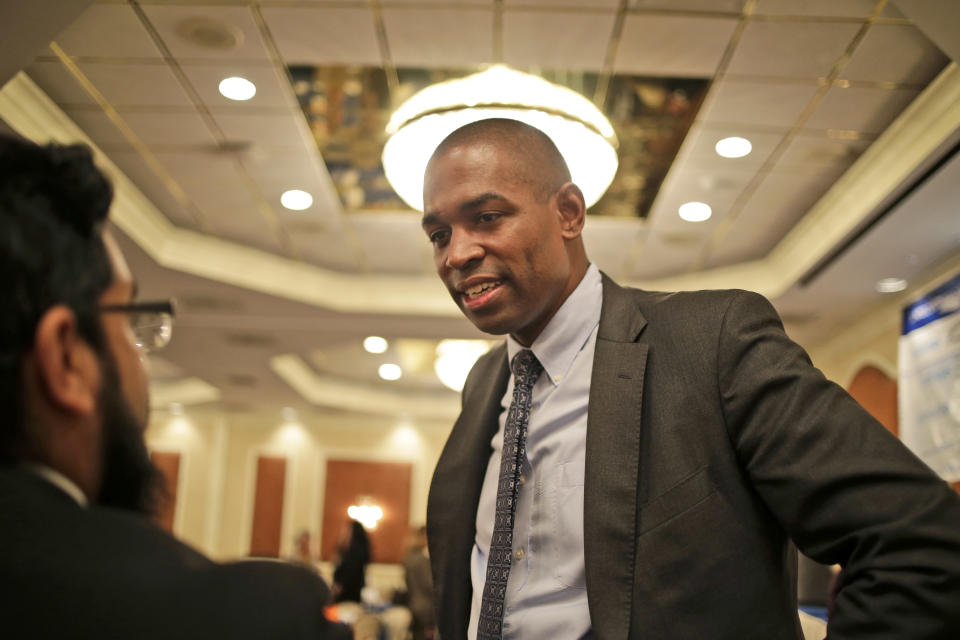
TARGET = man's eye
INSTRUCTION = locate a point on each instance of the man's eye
(487, 217)
(437, 237)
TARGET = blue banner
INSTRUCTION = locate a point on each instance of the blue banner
(929, 387)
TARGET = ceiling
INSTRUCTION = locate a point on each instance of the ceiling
(840, 98)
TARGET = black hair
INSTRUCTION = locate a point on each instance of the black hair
(53, 205)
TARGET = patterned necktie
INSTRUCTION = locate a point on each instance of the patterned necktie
(526, 369)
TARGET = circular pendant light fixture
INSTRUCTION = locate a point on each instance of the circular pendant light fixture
(583, 135)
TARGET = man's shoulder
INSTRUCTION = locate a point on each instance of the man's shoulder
(708, 303)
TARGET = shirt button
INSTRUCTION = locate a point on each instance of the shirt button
(523, 479)
(519, 554)
(558, 378)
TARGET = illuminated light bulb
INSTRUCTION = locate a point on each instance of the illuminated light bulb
(890, 285)
(296, 200)
(375, 344)
(237, 88)
(733, 147)
(390, 371)
(695, 211)
(583, 135)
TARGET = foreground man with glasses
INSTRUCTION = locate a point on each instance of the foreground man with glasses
(78, 557)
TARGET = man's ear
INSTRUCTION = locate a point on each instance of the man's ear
(572, 209)
(66, 363)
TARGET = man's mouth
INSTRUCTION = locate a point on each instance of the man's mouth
(480, 289)
(480, 295)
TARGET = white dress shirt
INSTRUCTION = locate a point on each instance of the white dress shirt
(546, 593)
(60, 481)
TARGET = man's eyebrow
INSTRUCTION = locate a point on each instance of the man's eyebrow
(480, 200)
(429, 218)
(469, 205)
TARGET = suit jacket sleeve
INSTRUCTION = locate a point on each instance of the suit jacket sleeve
(844, 488)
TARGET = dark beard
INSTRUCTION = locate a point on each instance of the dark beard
(130, 480)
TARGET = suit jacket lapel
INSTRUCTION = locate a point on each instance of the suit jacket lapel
(612, 462)
(456, 486)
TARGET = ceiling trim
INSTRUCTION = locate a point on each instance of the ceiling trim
(332, 392)
(932, 118)
(916, 133)
(186, 391)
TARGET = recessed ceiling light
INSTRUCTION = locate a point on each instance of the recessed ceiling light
(390, 371)
(296, 200)
(695, 211)
(733, 147)
(237, 88)
(375, 344)
(890, 285)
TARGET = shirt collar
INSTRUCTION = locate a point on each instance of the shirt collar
(568, 331)
(60, 481)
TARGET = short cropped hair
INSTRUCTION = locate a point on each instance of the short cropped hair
(539, 162)
(53, 205)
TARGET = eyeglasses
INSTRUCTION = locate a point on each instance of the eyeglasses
(151, 322)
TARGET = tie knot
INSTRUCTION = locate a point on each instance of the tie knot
(526, 368)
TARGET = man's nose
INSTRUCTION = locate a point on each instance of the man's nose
(463, 249)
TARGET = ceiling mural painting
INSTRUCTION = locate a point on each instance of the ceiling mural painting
(348, 108)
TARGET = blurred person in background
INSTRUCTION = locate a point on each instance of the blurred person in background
(353, 555)
(416, 571)
(79, 558)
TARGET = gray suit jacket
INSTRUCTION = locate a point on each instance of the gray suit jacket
(711, 443)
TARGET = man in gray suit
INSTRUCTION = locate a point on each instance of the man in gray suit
(643, 472)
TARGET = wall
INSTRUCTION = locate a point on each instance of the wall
(218, 466)
(873, 340)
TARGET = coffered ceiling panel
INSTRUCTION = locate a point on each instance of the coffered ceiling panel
(659, 255)
(699, 147)
(895, 53)
(198, 167)
(272, 91)
(266, 130)
(241, 222)
(577, 4)
(136, 84)
(178, 26)
(152, 128)
(673, 45)
(98, 126)
(467, 3)
(556, 40)
(831, 8)
(439, 37)
(756, 104)
(861, 109)
(324, 36)
(275, 171)
(608, 242)
(809, 153)
(391, 243)
(133, 165)
(719, 188)
(326, 248)
(727, 6)
(58, 83)
(108, 30)
(791, 49)
(780, 200)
